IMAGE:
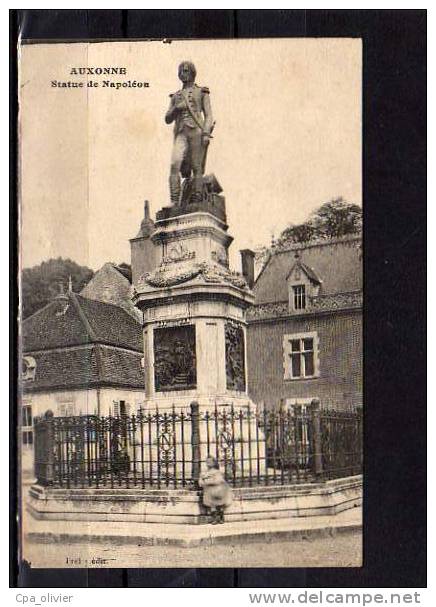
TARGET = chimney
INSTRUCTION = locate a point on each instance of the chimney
(247, 259)
(62, 299)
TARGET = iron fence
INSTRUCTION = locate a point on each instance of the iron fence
(167, 449)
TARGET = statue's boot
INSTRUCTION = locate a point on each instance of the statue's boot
(175, 189)
(197, 189)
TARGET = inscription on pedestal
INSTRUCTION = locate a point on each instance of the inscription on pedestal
(235, 357)
(174, 358)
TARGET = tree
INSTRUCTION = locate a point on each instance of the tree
(42, 283)
(333, 219)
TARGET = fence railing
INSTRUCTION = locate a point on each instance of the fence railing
(167, 449)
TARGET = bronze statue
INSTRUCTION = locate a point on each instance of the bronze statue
(191, 111)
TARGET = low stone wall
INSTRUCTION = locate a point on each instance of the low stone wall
(184, 506)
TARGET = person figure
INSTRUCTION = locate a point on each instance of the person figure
(191, 112)
(216, 492)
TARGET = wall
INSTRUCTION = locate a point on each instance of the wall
(339, 384)
(85, 401)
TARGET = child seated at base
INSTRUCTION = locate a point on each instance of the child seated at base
(216, 492)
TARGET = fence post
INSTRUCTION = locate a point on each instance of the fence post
(44, 449)
(315, 414)
(195, 441)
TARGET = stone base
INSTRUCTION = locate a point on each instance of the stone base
(181, 401)
(215, 206)
(211, 201)
(183, 506)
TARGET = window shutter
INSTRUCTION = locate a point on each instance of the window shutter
(121, 407)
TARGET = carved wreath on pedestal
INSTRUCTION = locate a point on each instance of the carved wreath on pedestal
(166, 276)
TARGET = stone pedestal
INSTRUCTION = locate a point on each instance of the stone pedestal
(194, 313)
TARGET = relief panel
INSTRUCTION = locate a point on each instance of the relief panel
(174, 358)
(235, 357)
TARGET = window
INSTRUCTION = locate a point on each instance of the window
(121, 408)
(302, 363)
(66, 408)
(26, 422)
(299, 297)
(27, 437)
(301, 355)
(27, 415)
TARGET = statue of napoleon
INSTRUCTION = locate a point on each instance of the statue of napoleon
(191, 111)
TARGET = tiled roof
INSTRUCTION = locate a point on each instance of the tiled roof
(55, 326)
(73, 367)
(121, 367)
(76, 320)
(86, 367)
(111, 324)
(337, 263)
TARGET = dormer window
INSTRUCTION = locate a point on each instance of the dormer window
(303, 285)
(299, 297)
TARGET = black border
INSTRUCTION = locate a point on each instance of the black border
(394, 163)
(13, 299)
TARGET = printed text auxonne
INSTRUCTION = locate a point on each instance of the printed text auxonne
(80, 71)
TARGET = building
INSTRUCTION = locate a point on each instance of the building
(112, 284)
(305, 330)
(80, 356)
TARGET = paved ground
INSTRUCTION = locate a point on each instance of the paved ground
(342, 550)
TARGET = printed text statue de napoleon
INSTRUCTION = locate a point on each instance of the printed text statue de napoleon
(191, 111)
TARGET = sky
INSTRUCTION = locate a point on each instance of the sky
(287, 138)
